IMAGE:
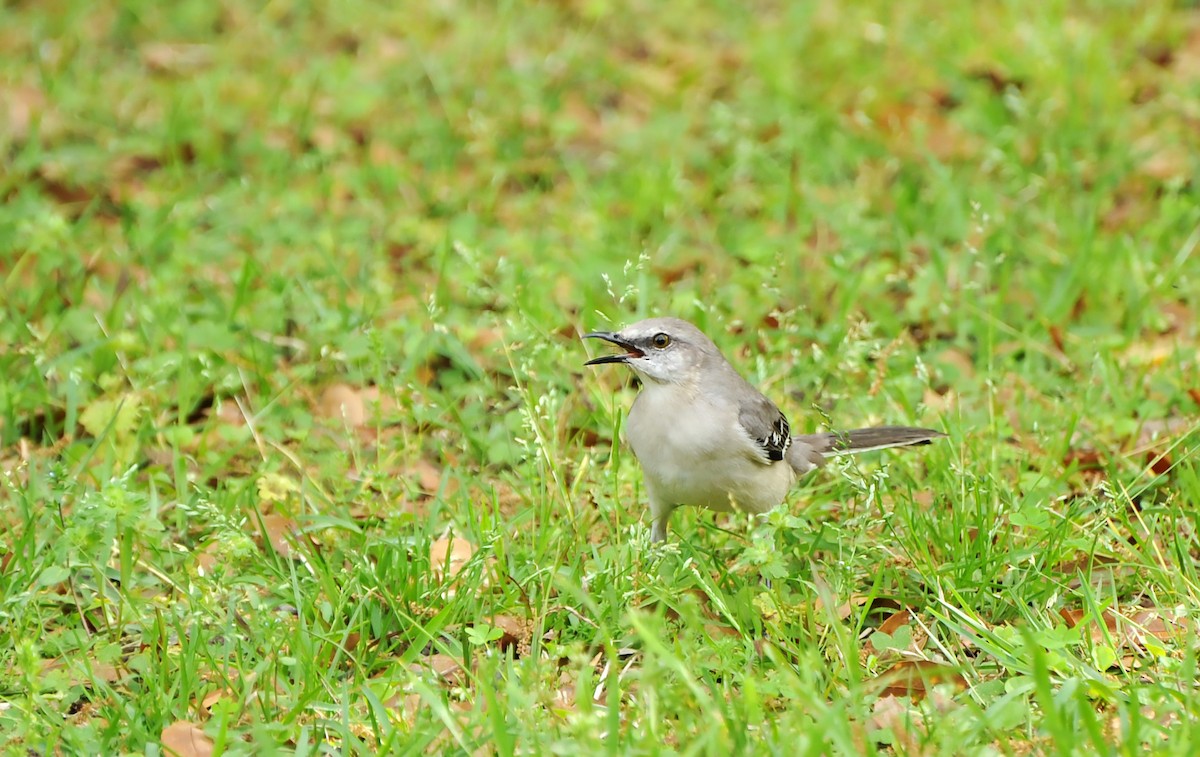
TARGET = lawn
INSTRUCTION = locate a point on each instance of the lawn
(299, 454)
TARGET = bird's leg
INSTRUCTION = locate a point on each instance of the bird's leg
(660, 514)
(658, 529)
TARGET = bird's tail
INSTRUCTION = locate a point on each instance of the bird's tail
(809, 451)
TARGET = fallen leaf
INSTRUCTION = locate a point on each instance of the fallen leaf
(913, 128)
(229, 413)
(211, 700)
(128, 166)
(448, 556)
(443, 666)
(175, 58)
(22, 105)
(1153, 623)
(207, 559)
(564, 695)
(1128, 208)
(867, 604)
(998, 81)
(1156, 429)
(892, 624)
(1125, 631)
(1153, 352)
(905, 723)
(720, 630)
(1157, 53)
(517, 633)
(915, 677)
(958, 360)
(1084, 460)
(428, 478)
(185, 739)
(1159, 464)
(280, 532)
(1186, 59)
(354, 408)
(1074, 617)
(343, 402)
(408, 705)
(94, 671)
(911, 640)
(1167, 163)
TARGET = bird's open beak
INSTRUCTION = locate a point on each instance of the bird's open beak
(612, 336)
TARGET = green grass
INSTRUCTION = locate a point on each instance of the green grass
(978, 217)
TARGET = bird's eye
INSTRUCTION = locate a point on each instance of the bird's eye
(661, 340)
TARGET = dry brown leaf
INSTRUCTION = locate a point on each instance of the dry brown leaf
(957, 359)
(443, 666)
(1134, 202)
(326, 137)
(1152, 351)
(718, 630)
(1185, 61)
(211, 700)
(65, 190)
(872, 605)
(105, 672)
(1157, 429)
(1159, 464)
(174, 58)
(21, 105)
(716, 625)
(229, 413)
(940, 403)
(1153, 623)
(429, 478)
(893, 624)
(345, 403)
(1178, 315)
(1085, 460)
(355, 408)
(518, 633)
(280, 532)
(564, 695)
(487, 339)
(1074, 617)
(1125, 631)
(185, 739)
(509, 499)
(913, 128)
(448, 556)
(207, 559)
(96, 671)
(999, 81)
(915, 677)
(905, 723)
(1167, 163)
(408, 705)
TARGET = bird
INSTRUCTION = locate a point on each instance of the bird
(705, 437)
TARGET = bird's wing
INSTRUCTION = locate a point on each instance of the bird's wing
(767, 426)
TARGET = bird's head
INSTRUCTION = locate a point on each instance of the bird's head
(662, 350)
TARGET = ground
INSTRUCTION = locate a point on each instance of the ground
(298, 450)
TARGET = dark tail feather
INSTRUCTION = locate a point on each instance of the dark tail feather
(867, 439)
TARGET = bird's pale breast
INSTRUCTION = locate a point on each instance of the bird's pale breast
(691, 454)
